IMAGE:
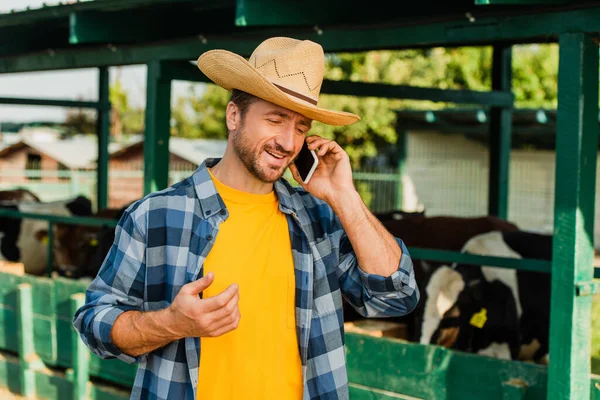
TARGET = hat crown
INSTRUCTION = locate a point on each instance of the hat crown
(295, 65)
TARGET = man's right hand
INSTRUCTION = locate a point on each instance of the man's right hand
(191, 316)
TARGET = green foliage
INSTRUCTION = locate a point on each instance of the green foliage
(534, 84)
(124, 118)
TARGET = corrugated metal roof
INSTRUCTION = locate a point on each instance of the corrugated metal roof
(76, 152)
(197, 150)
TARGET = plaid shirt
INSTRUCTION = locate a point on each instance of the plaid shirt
(161, 243)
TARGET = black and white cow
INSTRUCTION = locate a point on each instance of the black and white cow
(494, 311)
(24, 239)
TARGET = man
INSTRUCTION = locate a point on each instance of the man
(229, 284)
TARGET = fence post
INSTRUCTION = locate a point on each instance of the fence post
(29, 360)
(80, 356)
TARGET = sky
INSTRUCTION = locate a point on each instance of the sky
(69, 84)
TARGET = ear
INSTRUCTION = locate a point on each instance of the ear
(42, 236)
(232, 116)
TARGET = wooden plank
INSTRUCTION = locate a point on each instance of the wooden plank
(26, 350)
(360, 392)
(80, 360)
(436, 373)
(573, 245)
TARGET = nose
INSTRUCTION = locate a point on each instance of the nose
(286, 139)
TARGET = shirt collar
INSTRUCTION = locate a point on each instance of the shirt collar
(211, 202)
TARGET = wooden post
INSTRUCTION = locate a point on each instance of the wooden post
(80, 361)
(573, 246)
(25, 335)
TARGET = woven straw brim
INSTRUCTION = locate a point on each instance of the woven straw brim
(232, 71)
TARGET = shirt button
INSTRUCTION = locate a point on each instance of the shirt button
(209, 237)
(222, 212)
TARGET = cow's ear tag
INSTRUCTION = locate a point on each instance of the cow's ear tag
(93, 242)
(45, 240)
(479, 319)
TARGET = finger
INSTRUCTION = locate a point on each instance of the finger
(313, 145)
(219, 300)
(199, 285)
(312, 138)
(231, 319)
(296, 175)
(227, 310)
(227, 328)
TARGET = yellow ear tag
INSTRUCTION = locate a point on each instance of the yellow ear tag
(479, 319)
(45, 240)
(93, 242)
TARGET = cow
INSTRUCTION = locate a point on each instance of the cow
(434, 232)
(17, 195)
(494, 311)
(81, 249)
(24, 240)
(9, 231)
(396, 214)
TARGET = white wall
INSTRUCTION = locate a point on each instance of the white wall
(450, 177)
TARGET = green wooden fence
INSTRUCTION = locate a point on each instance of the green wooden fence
(41, 354)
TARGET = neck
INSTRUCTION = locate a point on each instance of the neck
(232, 172)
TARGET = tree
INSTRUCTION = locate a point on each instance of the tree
(124, 119)
(534, 84)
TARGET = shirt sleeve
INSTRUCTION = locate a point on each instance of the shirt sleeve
(118, 287)
(375, 295)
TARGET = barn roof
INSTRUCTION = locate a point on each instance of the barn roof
(76, 152)
(193, 150)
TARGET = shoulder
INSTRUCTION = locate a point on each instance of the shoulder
(143, 212)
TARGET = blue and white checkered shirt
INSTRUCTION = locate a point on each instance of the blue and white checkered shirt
(161, 243)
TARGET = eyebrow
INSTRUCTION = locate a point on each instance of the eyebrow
(304, 121)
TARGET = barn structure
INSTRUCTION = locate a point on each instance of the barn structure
(167, 35)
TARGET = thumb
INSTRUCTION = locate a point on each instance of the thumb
(199, 285)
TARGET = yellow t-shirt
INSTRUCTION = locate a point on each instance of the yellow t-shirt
(260, 359)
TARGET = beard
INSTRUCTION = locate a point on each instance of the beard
(243, 148)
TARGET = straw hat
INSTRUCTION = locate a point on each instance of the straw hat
(284, 71)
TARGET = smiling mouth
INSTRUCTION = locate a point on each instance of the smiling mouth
(279, 157)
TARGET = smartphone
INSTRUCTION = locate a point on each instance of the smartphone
(306, 162)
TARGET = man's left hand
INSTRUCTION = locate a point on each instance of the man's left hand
(333, 176)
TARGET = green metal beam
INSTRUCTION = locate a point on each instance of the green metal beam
(62, 11)
(500, 135)
(523, 2)
(363, 89)
(157, 129)
(58, 219)
(100, 105)
(103, 132)
(573, 246)
(521, 28)
(146, 25)
(475, 259)
(27, 39)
